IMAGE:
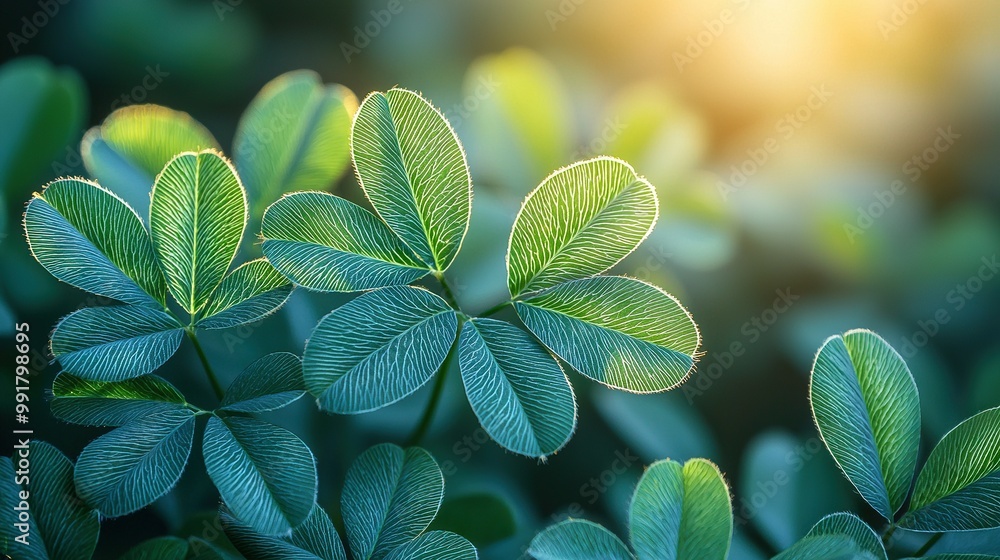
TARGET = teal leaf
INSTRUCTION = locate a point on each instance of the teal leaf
(865, 404)
(201, 549)
(390, 497)
(197, 213)
(295, 135)
(115, 343)
(328, 244)
(265, 474)
(61, 526)
(618, 331)
(577, 539)
(271, 382)
(435, 545)
(246, 295)
(959, 557)
(413, 170)
(681, 512)
(127, 151)
(315, 538)
(89, 238)
(516, 388)
(378, 348)
(484, 519)
(958, 488)
(160, 548)
(132, 466)
(581, 221)
(837, 536)
(103, 403)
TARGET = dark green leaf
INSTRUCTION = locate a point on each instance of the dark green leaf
(315, 538)
(102, 403)
(160, 548)
(482, 518)
(269, 383)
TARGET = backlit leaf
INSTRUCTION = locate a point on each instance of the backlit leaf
(576, 539)
(269, 383)
(413, 170)
(103, 403)
(378, 348)
(246, 295)
(619, 331)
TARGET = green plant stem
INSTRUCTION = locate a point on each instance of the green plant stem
(432, 404)
(449, 296)
(888, 534)
(216, 387)
(496, 308)
(927, 545)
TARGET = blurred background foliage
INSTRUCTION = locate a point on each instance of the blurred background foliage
(820, 166)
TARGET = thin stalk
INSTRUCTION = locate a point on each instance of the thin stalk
(888, 535)
(432, 404)
(449, 296)
(495, 309)
(927, 545)
(216, 387)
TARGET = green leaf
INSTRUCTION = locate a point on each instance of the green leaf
(265, 474)
(390, 496)
(326, 243)
(197, 213)
(516, 388)
(413, 170)
(581, 221)
(435, 545)
(272, 382)
(128, 150)
(681, 513)
(837, 536)
(160, 548)
(618, 331)
(315, 538)
(89, 238)
(115, 343)
(959, 557)
(577, 539)
(865, 404)
(295, 135)
(61, 526)
(378, 348)
(958, 488)
(482, 518)
(101, 403)
(44, 109)
(132, 466)
(246, 295)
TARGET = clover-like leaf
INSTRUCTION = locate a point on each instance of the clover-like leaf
(378, 348)
(115, 403)
(249, 293)
(326, 243)
(160, 548)
(315, 538)
(577, 539)
(269, 383)
(838, 535)
(60, 524)
(115, 343)
(435, 545)
(127, 151)
(958, 489)
(619, 331)
(865, 404)
(581, 221)
(295, 135)
(390, 497)
(130, 467)
(681, 512)
(197, 213)
(516, 388)
(413, 170)
(87, 237)
(265, 474)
